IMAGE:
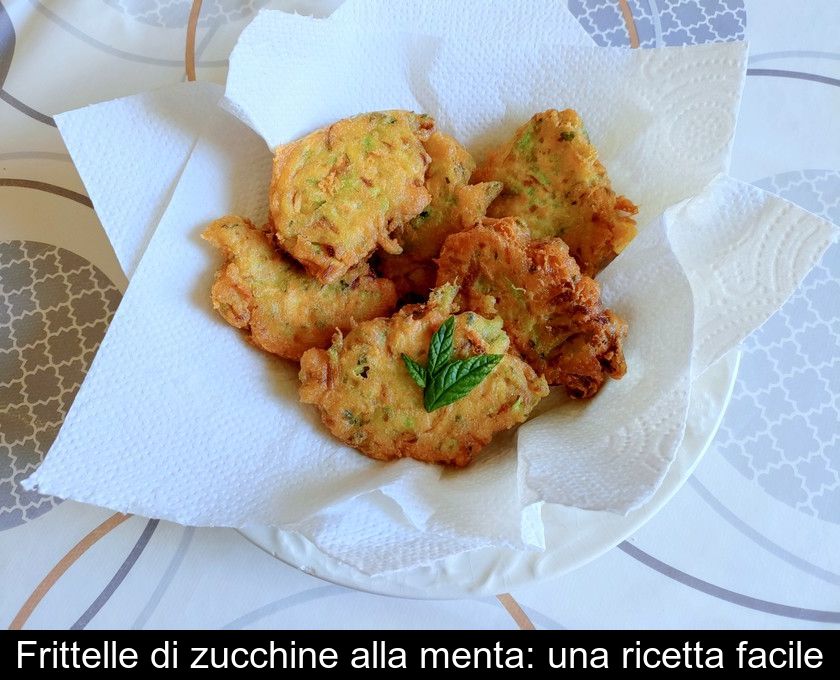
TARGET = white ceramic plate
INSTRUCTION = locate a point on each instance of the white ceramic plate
(573, 537)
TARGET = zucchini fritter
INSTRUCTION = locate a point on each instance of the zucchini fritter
(340, 191)
(555, 182)
(284, 309)
(553, 314)
(454, 206)
(368, 400)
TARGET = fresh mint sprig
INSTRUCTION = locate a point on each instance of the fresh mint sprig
(415, 370)
(440, 346)
(443, 380)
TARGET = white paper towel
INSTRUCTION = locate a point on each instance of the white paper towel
(288, 63)
(744, 251)
(129, 153)
(180, 419)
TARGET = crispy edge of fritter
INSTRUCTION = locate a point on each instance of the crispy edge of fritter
(546, 290)
(590, 195)
(234, 296)
(324, 384)
(320, 259)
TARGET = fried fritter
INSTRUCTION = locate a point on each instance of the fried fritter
(368, 400)
(454, 205)
(555, 182)
(552, 313)
(285, 310)
(340, 191)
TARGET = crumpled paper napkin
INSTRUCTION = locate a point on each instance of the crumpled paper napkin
(130, 152)
(180, 419)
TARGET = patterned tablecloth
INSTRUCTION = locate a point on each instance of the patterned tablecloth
(753, 539)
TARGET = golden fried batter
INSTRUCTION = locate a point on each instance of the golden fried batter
(339, 192)
(454, 205)
(368, 400)
(555, 182)
(553, 314)
(285, 310)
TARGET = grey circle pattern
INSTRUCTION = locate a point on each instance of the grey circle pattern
(7, 44)
(175, 13)
(54, 309)
(662, 22)
(782, 428)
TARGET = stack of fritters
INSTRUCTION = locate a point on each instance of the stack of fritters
(455, 205)
(511, 245)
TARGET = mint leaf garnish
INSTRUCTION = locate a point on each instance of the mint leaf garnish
(440, 347)
(443, 380)
(457, 380)
(415, 370)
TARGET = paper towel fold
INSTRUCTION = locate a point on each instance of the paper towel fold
(129, 153)
(612, 452)
(744, 251)
(180, 419)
